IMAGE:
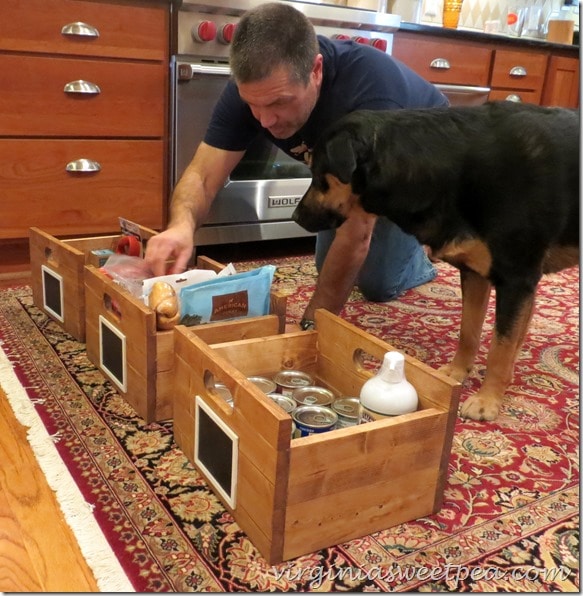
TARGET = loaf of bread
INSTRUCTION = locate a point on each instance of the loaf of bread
(164, 301)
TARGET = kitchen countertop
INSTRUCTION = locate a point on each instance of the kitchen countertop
(474, 35)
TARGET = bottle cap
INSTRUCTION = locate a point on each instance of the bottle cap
(393, 369)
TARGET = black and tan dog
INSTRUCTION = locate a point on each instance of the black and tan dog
(492, 189)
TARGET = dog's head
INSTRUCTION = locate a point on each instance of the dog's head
(338, 179)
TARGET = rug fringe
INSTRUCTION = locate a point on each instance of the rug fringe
(108, 572)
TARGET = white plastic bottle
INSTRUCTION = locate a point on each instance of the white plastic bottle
(388, 393)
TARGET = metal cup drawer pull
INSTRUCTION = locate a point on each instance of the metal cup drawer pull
(440, 63)
(513, 97)
(81, 86)
(81, 29)
(83, 165)
(518, 71)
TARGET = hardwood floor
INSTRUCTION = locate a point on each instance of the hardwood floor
(38, 551)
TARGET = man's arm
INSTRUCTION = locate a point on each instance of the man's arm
(189, 207)
(342, 264)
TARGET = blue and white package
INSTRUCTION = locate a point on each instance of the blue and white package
(240, 295)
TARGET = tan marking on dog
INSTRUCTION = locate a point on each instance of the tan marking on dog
(560, 257)
(473, 253)
(339, 196)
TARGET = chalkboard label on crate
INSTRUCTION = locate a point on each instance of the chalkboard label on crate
(112, 353)
(216, 451)
(53, 293)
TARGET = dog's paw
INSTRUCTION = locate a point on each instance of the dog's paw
(480, 407)
(455, 372)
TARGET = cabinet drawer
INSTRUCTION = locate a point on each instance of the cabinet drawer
(519, 70)
(33, 100)
(448, 63)
(38, 191)
(512, 95)
(126, 31)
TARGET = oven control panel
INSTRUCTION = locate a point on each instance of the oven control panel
(210, 35)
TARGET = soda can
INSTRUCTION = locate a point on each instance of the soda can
(266, 385)
(288, 380)
(348, 410)
(313, 419)
(312, 395)
(283, 401)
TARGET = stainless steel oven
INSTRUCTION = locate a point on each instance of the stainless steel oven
(259, 197)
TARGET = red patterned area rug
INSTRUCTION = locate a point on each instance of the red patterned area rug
(510, 520)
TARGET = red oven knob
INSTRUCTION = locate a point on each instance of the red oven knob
(204, 31)
(340, 36)
(226, 33)
(379, 44)
(362, 40)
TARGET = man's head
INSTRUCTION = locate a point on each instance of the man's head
(276, 64)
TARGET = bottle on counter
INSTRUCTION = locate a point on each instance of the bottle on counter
(388, 393)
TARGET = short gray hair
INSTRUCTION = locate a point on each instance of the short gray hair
(269, 36)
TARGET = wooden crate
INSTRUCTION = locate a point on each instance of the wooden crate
(57, 269)
(123, 342)
(295, 496)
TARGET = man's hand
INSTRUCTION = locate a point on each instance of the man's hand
(174, 244)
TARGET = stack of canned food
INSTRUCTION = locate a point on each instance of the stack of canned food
(313, 409)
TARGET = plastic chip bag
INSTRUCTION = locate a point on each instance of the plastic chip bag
(241, 295)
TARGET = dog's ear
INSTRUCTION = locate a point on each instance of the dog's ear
(341, 156)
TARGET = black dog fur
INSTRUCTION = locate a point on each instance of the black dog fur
(492, 189)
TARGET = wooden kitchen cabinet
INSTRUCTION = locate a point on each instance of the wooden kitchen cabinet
(518, 75)
(562, 82)
(37, 186)
(441, 61)
(540, 74)
(83, 82)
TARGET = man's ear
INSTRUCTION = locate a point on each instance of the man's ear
(341, 156)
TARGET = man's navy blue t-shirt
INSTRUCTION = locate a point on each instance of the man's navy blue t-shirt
(355, 77)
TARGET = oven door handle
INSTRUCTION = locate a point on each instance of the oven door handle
(461, 89)
(186, 71)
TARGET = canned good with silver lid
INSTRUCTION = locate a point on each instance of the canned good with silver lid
(313, 419)
(348, 410)
(313, 396)
(266, 385)
(288, 380)
(283, 401)
(224, 392)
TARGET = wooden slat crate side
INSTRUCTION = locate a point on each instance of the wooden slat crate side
(360, 480)
(324, 522)
(339, 344)
(68, 263)
(264, 425)
(203, 262)
(138, 323)
(164, 392)
(435, 390)
(278, 306)
(297, 351)
(325, 465)
(164, 350)
(183, 406)
(252, 327)
(86, 245)
(263, 429)
(261, 510)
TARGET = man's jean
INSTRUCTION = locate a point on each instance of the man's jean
(395, 262)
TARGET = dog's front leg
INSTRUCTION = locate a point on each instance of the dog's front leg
(475, 295)
(512, 320)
